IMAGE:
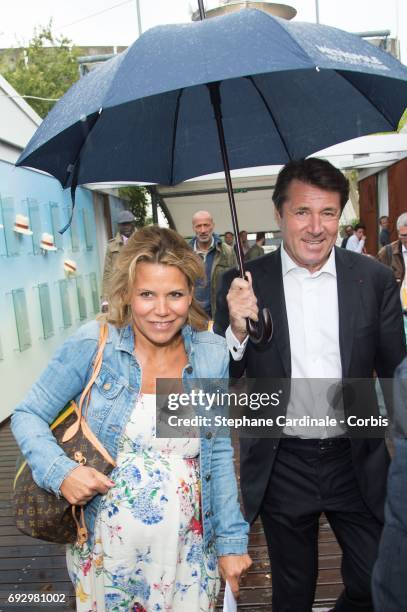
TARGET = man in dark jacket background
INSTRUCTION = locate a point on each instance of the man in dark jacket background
(390, 572)
(384, 235)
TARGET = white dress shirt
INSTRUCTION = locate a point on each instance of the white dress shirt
(354, 244)
(313, 323)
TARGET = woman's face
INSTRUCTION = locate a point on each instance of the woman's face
(160, 301)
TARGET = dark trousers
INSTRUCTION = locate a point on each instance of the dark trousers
(310, 477)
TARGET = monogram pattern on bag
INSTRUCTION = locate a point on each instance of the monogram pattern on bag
(41, 514)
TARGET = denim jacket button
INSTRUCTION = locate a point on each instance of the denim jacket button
(207, 477)
(207, 514)
(209, 435)
(107, 386)
(189, 369)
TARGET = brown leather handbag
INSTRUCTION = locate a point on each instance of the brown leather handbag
(41, 514)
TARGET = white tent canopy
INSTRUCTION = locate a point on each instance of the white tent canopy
(252, 196)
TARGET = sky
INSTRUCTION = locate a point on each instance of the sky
(114, 22)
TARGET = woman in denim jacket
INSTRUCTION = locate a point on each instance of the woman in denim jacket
(168, 516)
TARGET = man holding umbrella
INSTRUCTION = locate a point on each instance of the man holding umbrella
(336, 315)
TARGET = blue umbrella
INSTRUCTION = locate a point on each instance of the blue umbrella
(280, 90)
(288, 89)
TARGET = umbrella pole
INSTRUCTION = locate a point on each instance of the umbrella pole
(201, 10)
(216, 103)
(262, 331)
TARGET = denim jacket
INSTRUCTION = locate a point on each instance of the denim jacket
(112, 400)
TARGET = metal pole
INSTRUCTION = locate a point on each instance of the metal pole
(154, 205)
(138, 17)
(215, 99)
(262, 331)
(317, 11)
(201, 9)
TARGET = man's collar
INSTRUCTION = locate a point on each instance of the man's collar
(403, 248)
(288, 264)
(207, 250)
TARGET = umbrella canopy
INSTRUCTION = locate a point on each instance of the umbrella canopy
(287, 89)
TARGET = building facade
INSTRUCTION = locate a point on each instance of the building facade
(49, 283)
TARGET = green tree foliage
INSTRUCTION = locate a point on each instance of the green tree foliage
(46, 68)
(137, 202)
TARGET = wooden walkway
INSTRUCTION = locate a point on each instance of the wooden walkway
(31, 566)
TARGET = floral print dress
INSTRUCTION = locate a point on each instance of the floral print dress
(148, 553)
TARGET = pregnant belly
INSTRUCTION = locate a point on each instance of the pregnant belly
(150, 492)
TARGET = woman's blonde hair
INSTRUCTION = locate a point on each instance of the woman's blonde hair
(159, 245)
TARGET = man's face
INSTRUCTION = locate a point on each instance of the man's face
(360, 233)
(403, 235)
(203, 227)
(385, 223)
(229, 238)
(243, 237)
(309, 224)
(126, 229)
(349, 230)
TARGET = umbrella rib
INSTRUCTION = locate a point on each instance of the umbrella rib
(270, 112)
(174, 134)
(380, 111)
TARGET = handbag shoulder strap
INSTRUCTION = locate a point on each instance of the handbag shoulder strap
(97, 364)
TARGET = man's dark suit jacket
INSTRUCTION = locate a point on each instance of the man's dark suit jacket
(371, 339)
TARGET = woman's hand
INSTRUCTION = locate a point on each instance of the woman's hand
(231, 568)
(83, 483)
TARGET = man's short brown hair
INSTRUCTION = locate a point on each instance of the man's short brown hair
(313, 171)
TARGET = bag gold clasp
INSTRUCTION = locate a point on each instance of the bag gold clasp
(79, 457)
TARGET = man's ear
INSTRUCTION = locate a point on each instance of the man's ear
(277, 217)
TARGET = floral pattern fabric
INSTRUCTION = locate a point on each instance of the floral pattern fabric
(148, 553)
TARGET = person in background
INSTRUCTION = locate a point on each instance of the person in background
(257, 249)
(216, 255)
(229, 238)
(384, 235)
(159, 529)
(244, 242)
(389, 582)
(394, 255)
(336, 316)
(126, 224)
(356, 242)
(348, 234)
